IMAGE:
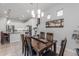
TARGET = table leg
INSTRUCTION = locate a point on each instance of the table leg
(55, 47)
(22, 48)
(37, 54)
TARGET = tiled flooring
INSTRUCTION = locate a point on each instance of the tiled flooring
(15, 49)
(12, 49)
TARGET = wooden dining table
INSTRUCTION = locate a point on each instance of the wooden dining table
(39, 45)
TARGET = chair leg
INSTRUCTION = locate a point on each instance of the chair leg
(51, 48)
(22, 48)
(55, 47)
(25, 50)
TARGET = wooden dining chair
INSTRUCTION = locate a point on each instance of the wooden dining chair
(63, 45)
(62, 49)
(23, 42)
(28, 47)
(42, 35)
(49, 37)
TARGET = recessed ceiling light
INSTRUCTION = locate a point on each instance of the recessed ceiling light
(49, 16)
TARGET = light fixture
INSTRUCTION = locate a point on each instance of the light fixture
(39, 11)
(42, 14)
(49, 16)
(32, 13)
(38, 16)
(8, 22)
(7, 13)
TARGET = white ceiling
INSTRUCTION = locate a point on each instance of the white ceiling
(18, 10)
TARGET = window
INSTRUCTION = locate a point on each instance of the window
(60, 12)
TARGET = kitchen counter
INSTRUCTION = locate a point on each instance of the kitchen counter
(14, 37)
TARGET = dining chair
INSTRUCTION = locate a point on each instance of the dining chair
(23, 42)
(62, 49)
(49, 37)
(38, 36)
(42, 35)
(2, 38)
(5, 38)
(28, 47)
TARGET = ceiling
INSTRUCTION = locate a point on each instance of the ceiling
(22, 11)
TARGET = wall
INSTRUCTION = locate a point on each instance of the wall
(17, 24)
(2, 24)
(15, 37)
(33, 23)
(71, 21)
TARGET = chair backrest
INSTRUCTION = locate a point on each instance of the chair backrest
(63, 45)
(28, 39)
(42, 35)
(49, 36)
(29, 45)
(22, 37)
(38, 35)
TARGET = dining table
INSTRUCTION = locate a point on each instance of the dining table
(40, 45)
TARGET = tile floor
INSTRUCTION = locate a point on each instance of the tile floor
(12, 49)
(15, 49)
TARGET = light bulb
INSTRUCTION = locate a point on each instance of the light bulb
(38, 15)
(33, 15)
(39, 11)
(32, 12)
(8, 22)
(49, 16)
(42, 14)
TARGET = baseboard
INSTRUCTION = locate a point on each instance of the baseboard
(15, 41)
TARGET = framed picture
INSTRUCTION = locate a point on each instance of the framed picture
(58, 23)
